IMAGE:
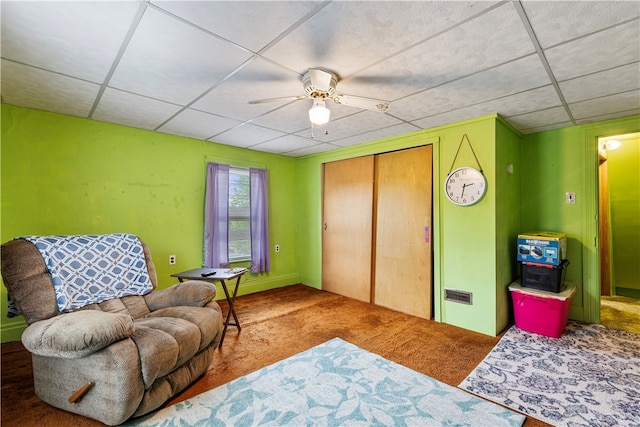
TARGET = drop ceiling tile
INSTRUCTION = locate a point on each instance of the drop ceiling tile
(593, 53)
(400, 129)
(453, 116)
(346, 36)
(128, 109)
(291, 118)
(551, 126)
(231, 19)
(579, 18)
(173, 61)
(599, 118)
(285, 143)
(493, 38)
(612, 104)
(511, 78)
(259, 79)
(197, 124)
(310, 150)
(438, 62)
(525, 102)
(608, 82)
(246, 135)
(519, 103)
(79, 39)
(539, 118)
(43, 90)
(352, 125)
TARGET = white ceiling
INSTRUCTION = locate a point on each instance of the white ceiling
(190, 67)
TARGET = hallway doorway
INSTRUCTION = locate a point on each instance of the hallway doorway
(619, 233)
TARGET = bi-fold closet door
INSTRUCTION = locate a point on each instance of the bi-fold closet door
(377, 215)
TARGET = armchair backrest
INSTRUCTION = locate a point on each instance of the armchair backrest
(29, 282)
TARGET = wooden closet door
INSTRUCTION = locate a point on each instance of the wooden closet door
(347, 227)
(403, 260)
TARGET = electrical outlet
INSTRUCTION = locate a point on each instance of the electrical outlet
(277, 248)
(172, 259)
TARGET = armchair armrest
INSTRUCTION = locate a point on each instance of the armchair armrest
(76, 334)
(192, 293)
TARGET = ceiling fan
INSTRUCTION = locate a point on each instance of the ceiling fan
(320, 85)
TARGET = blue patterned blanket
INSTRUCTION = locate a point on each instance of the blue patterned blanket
(89, 269)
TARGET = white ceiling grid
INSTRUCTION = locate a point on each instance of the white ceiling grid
(190, 68)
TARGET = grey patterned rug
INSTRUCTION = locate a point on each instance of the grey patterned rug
(588, 377)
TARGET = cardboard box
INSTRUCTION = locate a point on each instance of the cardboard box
(542, 247)
(541, 312)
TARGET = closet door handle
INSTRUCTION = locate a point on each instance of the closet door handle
(324, 226)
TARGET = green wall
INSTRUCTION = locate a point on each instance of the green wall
(65, 175)
(508, 217)
(624, 203)
(566, 160)
(553, 164)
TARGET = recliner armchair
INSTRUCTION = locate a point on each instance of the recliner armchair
(117, 359)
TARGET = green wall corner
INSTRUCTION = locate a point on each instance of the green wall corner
(66, 175)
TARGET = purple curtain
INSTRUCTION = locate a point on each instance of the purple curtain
(216, 216)
(260, 258)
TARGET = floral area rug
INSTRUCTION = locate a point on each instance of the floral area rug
(334, 384)
(588, 377)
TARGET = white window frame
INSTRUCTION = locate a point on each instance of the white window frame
(242, 214)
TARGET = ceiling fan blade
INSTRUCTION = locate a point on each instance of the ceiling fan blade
(320, 79)
(362, 102)
(280, 99)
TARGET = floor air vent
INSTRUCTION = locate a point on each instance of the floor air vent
(463, 297)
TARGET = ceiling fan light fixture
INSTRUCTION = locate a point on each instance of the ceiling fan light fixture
(319, 113)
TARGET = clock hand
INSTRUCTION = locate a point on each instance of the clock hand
(463, 187)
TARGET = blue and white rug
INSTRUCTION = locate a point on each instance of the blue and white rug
(334, 384)
(588, 377)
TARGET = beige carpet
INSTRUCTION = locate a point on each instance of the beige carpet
(620, 313)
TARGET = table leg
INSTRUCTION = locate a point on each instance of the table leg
(232, 310)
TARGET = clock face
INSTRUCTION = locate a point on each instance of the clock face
(465, 186)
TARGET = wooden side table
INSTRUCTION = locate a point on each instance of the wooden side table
(218, 275)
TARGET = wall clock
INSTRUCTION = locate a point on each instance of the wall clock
(465, 186)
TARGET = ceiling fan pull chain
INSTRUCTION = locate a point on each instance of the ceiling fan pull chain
(458, 151)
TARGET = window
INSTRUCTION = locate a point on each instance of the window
(239, 215)
(236, 217)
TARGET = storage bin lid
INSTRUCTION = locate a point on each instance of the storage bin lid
(569, 290)
(543, 235)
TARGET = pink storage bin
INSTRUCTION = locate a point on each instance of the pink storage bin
(541, 312)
